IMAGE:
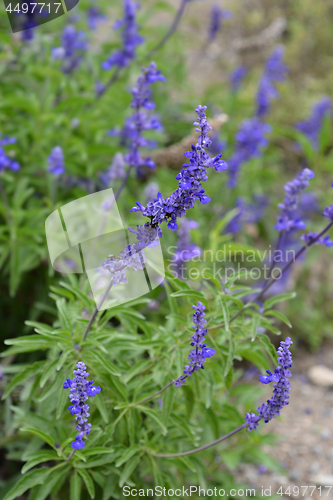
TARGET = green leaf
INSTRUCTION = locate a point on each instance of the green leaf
(21, 377)
(128, 469)
(183, 426)
(254, 327)
(48, 372)
(63, 358)
(42, 435)
(127, 455)
(56, 478)
(151, 413)
(279, 298)
(230, 358)
(37, 476)
(65, 321)
(62, 398)
(106, 459)
(279, 315)
(139, 367)
(39, 457)
(98, 450)
(88, 482)
(226, 315)
(101, 360)
(167, 404)
(193, 294)
(75, 486)
(101, 408)
(269, 347)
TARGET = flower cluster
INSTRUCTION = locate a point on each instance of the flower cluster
(140, 121)
(271, 409)
(5, 161)
(236, 77)
(190, 181)
(115, 171)
(288, 219)
(185, 250)
(73, 44)
(309, 239)
(275, 71)
(250, 139)
(55, 161)
(94, 17)
(312, 126)
(130, 257)
(216, 17)
(201, 352)
(328, 213)
(130, 38)
(79, 390)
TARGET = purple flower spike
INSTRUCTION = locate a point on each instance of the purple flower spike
(216, 19)
(79, 390)
(130, 38)
(312, 126)
(288, 218)
(201, 352)
(56, 161)
(275, 71)
(5, 161)
(250, 140)
(271, 409)
(73, 45)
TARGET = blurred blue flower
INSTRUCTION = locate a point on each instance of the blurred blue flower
(236, 78)
(275, 71)
(312, 126)
(73, 45)
(56, 161)
(5, 161)
(216, 17)
(130, 38)
(250, 140)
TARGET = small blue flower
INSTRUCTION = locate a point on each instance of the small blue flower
(312, 126)
(201, 352)
(328, 213)
(271, 409)
(73, 45)
(55, 161)
(216, 17)
(275, 71)
(5, 161)
(289, 218)
(79, 390)
(130, 38)
(236, 78)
